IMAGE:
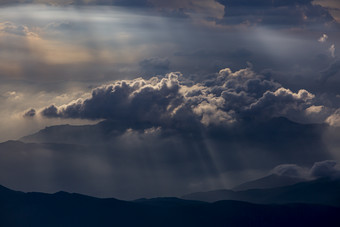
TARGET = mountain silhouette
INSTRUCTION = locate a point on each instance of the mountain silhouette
(321, 191)
(65, 209)
(271, 181)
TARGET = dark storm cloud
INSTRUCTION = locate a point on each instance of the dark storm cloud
(275, 13)
(224, 99)
(30, 113)
(282, 102)
(133, 102)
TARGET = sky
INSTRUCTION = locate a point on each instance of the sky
(222, 90)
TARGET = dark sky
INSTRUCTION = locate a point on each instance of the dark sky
(211, 92)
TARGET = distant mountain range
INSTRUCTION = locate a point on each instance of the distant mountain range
(83, 158)
(321, 191)
(271, 181)
(278, 136)
(65, 209)
(64, 155)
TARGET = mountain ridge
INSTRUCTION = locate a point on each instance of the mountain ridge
(320, 191)
(70, 209)
(269, 181)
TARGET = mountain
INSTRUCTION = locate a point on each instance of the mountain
(271, 181)
(76, 134)
(283, 139)
(321, 191)
(107, 159)
(64, 209)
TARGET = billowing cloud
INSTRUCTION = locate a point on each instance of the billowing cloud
(225, 98)
(282, 102)
(132, 101)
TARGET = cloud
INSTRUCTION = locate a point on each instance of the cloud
(323, 38)
(289, 170)
(225, 98)
(330, 71)
(211, 115)
(327, 168)
(275, 13)
(332, 5)
(9, 28)
(133, 102)
(30, 113)
(282, 102)
(334, 119)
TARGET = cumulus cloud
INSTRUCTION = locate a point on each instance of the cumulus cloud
(210, 114)
(169, 101)
(282, 102)
(137, 101)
